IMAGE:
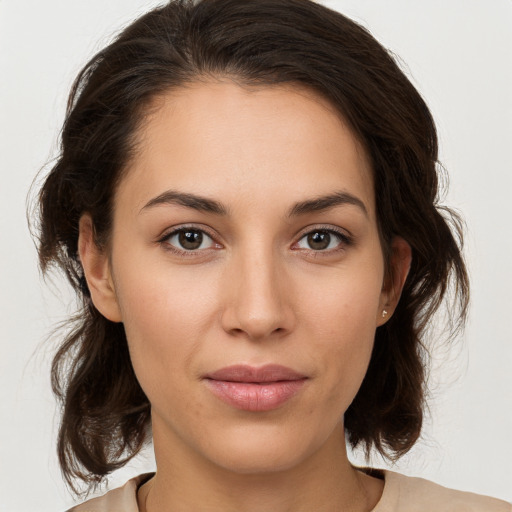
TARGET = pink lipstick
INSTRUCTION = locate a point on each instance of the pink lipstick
(255, 389)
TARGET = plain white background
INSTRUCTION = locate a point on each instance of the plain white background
(457, 52)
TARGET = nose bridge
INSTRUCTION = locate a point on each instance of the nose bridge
(258, 305)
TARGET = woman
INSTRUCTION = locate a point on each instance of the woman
(246, 203)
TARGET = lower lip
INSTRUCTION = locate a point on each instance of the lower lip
(251, 396)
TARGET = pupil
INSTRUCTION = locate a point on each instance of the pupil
(319, 240)
(190, 239)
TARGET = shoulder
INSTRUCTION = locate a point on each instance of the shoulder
(401, 494)
(122, 499)
(409, 494)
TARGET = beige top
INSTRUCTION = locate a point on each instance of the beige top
(401, 494)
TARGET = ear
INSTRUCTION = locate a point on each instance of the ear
(96, 265)
(399, 265)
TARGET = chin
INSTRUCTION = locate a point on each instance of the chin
(252, 451)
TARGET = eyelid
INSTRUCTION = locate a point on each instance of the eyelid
(346, 238)
(344, 235)
(168, 233)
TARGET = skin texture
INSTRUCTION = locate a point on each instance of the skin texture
(255, 292)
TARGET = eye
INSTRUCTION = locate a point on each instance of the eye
(189, 239)
(322, 240)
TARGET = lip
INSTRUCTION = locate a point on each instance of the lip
(255, 389)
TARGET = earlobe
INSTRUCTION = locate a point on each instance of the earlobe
(399, 265)
(96, 266)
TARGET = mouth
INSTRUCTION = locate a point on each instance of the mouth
(255, 389)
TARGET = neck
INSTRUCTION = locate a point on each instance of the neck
(324, 481)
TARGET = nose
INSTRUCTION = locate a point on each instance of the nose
(258, 304)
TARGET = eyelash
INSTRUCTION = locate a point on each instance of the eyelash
(345, 240)
(164, 240)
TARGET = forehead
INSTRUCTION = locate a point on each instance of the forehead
(245, 144)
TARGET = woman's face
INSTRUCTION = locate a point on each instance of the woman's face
(245, 234)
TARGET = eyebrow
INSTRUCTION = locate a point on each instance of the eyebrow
(204, 204)
(327, 202)
(189, 201)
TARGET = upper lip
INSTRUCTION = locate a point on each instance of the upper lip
(246, 373)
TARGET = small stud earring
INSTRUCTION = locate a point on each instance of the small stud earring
(384, 313)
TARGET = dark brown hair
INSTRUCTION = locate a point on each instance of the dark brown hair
(106, 416)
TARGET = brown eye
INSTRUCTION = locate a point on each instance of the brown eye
(189, 239)
(319, 240)
(322, 240)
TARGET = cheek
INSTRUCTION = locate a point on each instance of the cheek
(166, 314)
(341, 327)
